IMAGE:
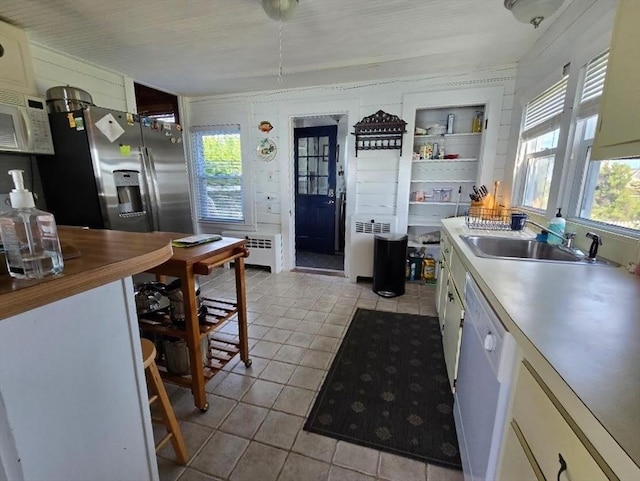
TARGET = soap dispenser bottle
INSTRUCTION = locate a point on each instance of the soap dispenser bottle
(557, 225)
(30, 237)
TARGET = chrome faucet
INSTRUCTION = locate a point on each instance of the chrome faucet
(548, 231)
(596, 241)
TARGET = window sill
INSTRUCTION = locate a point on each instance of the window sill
(213, 227)
(606, 229)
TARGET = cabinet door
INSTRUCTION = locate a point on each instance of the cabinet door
(618, 133)
(441, 299)
(515, 462)
(16, 70)
(549, 435)
(454, 313)
(442, 277)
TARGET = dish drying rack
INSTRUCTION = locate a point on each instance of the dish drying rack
(488, 218)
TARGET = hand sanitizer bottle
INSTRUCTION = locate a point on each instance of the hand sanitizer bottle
(30, 238)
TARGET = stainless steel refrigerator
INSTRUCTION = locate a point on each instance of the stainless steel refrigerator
(116, 170)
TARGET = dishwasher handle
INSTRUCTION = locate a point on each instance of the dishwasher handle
(490, 342)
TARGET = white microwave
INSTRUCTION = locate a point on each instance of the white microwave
(24, 124)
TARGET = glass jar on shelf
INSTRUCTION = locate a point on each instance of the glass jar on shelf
(476, 124)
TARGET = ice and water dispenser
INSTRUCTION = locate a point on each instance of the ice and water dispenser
(128, 188)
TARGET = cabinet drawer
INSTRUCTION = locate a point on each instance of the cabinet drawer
(549, 435)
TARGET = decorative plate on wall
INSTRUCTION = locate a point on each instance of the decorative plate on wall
(267, 150)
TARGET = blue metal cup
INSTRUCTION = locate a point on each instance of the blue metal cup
(518, 221)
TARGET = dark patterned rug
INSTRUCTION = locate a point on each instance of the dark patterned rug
(388, 389)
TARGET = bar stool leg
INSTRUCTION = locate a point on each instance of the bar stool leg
(174, 433)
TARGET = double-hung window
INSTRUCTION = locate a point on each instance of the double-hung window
(218, 171)
(538, 144)
(610, 189)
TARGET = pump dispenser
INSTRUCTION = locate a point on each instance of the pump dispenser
(557, 225)
(29, 236)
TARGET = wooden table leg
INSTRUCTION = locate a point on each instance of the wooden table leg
(192, 327)
(243, 342)
(161, 278)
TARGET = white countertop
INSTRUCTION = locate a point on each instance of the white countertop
(584, 320)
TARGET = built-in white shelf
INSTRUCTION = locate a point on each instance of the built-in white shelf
(444, 181)
(437, 203)
(417, 245)
(433, 161)
(464, 134)
(432, 220)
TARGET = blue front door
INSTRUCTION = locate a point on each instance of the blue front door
(315, 187)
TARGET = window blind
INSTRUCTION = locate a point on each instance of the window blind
(593, 86)
(543, 112)
(218, 165)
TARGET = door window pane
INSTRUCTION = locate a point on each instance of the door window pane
(313, 146)
(313, 165)
(323, 166)
(323, 185)
(302, 185)
(302, 146)
(302, 166)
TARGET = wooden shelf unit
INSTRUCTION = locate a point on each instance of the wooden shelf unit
(218, 312)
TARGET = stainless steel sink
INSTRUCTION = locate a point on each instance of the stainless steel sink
(526, 249)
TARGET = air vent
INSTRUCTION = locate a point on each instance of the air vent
(363, 229)
(13, 98)
(373, 227)
(259, 243)
(264, 249)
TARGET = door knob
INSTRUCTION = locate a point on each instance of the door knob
(331, 202)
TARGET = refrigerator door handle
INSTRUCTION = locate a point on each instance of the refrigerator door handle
(151, 180)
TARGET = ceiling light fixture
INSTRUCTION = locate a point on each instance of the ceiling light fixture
(280, 10)
(532, 11)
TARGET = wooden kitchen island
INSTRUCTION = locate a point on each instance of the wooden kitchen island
(185, 264)
(73, 396)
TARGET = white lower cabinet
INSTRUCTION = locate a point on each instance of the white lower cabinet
(549, 436)
(450, 305)
(441, 290)
(517, 464)
(454, 313)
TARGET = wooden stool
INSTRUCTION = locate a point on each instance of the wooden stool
(158, 393)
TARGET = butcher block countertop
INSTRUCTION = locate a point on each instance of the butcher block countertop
(104, 256)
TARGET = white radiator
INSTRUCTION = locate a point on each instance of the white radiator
(363, 229)
(264, 249)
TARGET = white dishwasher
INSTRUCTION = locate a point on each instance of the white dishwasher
(488, 354)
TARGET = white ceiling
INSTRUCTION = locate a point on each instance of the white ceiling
(199, 47)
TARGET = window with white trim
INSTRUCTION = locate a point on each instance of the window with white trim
(218, 166)
(538, 144)
(609, 191)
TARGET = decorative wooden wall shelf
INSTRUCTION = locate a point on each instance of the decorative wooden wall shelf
(380, 131)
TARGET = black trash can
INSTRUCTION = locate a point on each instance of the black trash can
(389, 264)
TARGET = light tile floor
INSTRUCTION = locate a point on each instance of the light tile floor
(253, 428)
